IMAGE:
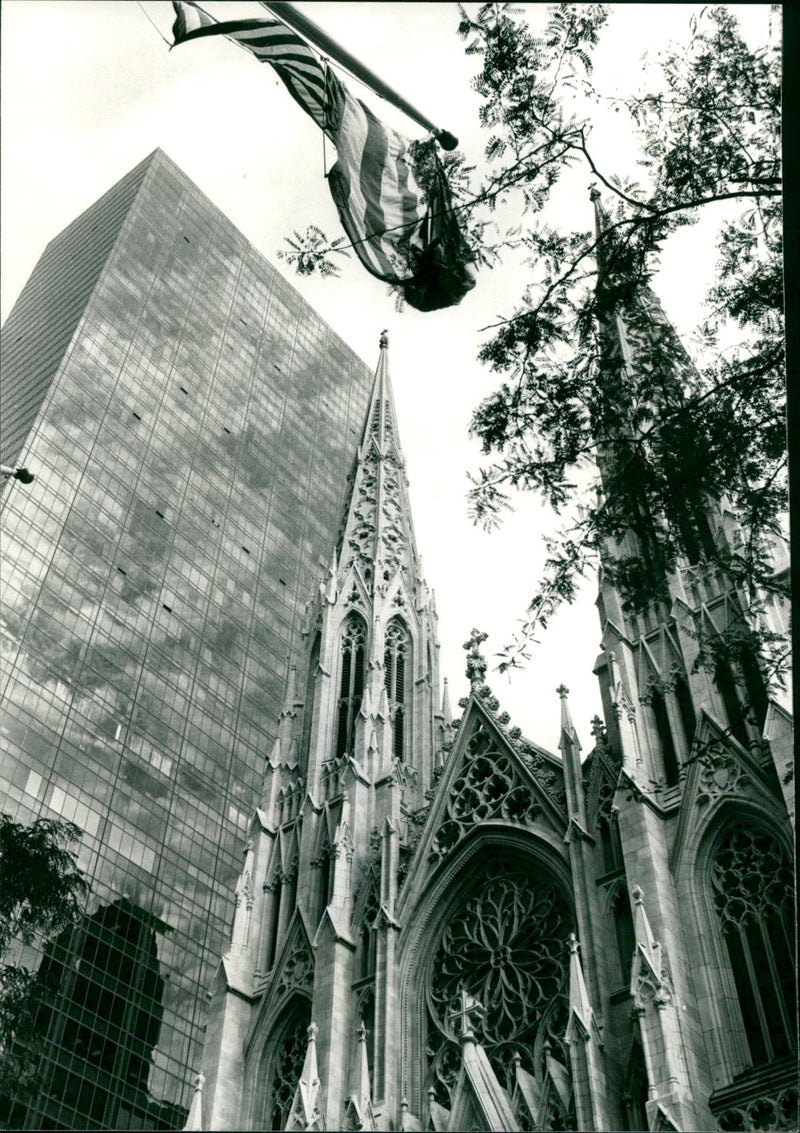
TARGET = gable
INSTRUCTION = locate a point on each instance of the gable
(486, 781)
(719, 771)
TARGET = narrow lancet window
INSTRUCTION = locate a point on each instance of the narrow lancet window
(726, 684)
(351, 685)
(686, 711)
(668, 756)
(395, 663)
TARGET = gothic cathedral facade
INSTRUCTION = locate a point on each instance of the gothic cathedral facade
(443, 926)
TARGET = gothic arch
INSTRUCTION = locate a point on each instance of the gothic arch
(618, 908)
(398, 680)
(350, 679)
(513, 861)
(715, 985)
(276, 1073)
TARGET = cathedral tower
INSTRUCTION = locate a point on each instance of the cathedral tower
(441, 926)
(359, 738)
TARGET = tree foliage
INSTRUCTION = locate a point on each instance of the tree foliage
(599, 409)
(592, 374)
(41, 893)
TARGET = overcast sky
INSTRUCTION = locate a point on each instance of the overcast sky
(89, 88)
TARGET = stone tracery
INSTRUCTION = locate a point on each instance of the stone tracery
(489, 787)
(752, 885)
(506, 948)
(287, 1066)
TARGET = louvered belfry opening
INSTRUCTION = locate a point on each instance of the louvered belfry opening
(395, 663)
(351, 685)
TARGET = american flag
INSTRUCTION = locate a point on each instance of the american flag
(271, 42)
(381, 205)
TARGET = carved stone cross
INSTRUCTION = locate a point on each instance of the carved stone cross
(468, 1012)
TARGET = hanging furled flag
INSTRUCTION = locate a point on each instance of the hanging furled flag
(392, 195)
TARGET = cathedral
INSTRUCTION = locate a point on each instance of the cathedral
(440, 925)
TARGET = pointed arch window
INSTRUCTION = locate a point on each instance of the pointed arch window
(623, 931)
(504, 944)
(276, 890)
(686, 711)
(752, 885)
(611, 843)
(395, 664)
(288, 1051)
(351, 683)
(754, 683)
(668, 756)
(726, 684)
(311, 683)
(634, 1099)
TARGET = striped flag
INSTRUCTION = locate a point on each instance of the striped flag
(402, 233)
(271, 42)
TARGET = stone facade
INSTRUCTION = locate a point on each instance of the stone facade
(443, 926)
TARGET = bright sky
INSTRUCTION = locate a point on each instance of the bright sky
(89, 88)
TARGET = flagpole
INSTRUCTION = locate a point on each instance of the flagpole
(289, 15)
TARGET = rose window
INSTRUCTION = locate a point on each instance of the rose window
(507, 948)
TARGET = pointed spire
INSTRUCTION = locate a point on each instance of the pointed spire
(646, 945)
(379, 426)
(289, 710)
(306, 1112)
(328, 587)
(570, 747)
(361, 1095)
(194, 1122)
(579, 1004)
(567, 727)
(447, 711)
(378, 535)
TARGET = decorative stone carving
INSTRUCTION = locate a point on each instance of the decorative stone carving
(488, 787)
(720, 774)
(286, 1070)
(763, 1113)
(506, 949)
(297, 974)
(751, 878)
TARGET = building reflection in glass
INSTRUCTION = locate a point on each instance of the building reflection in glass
(190, 422)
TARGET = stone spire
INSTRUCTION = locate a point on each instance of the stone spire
(359, 1104)
(447, 711)
(378, 534)
(571, 755)
(307, 1110)
(194, 1122)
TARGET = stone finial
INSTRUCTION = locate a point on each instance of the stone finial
(476, 662)
(447, 711)
(384, 342)
(563, 691)
(313, 1031)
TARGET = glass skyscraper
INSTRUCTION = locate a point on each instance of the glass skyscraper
(190, 422)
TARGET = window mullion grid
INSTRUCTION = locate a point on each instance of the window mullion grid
(756, 990)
